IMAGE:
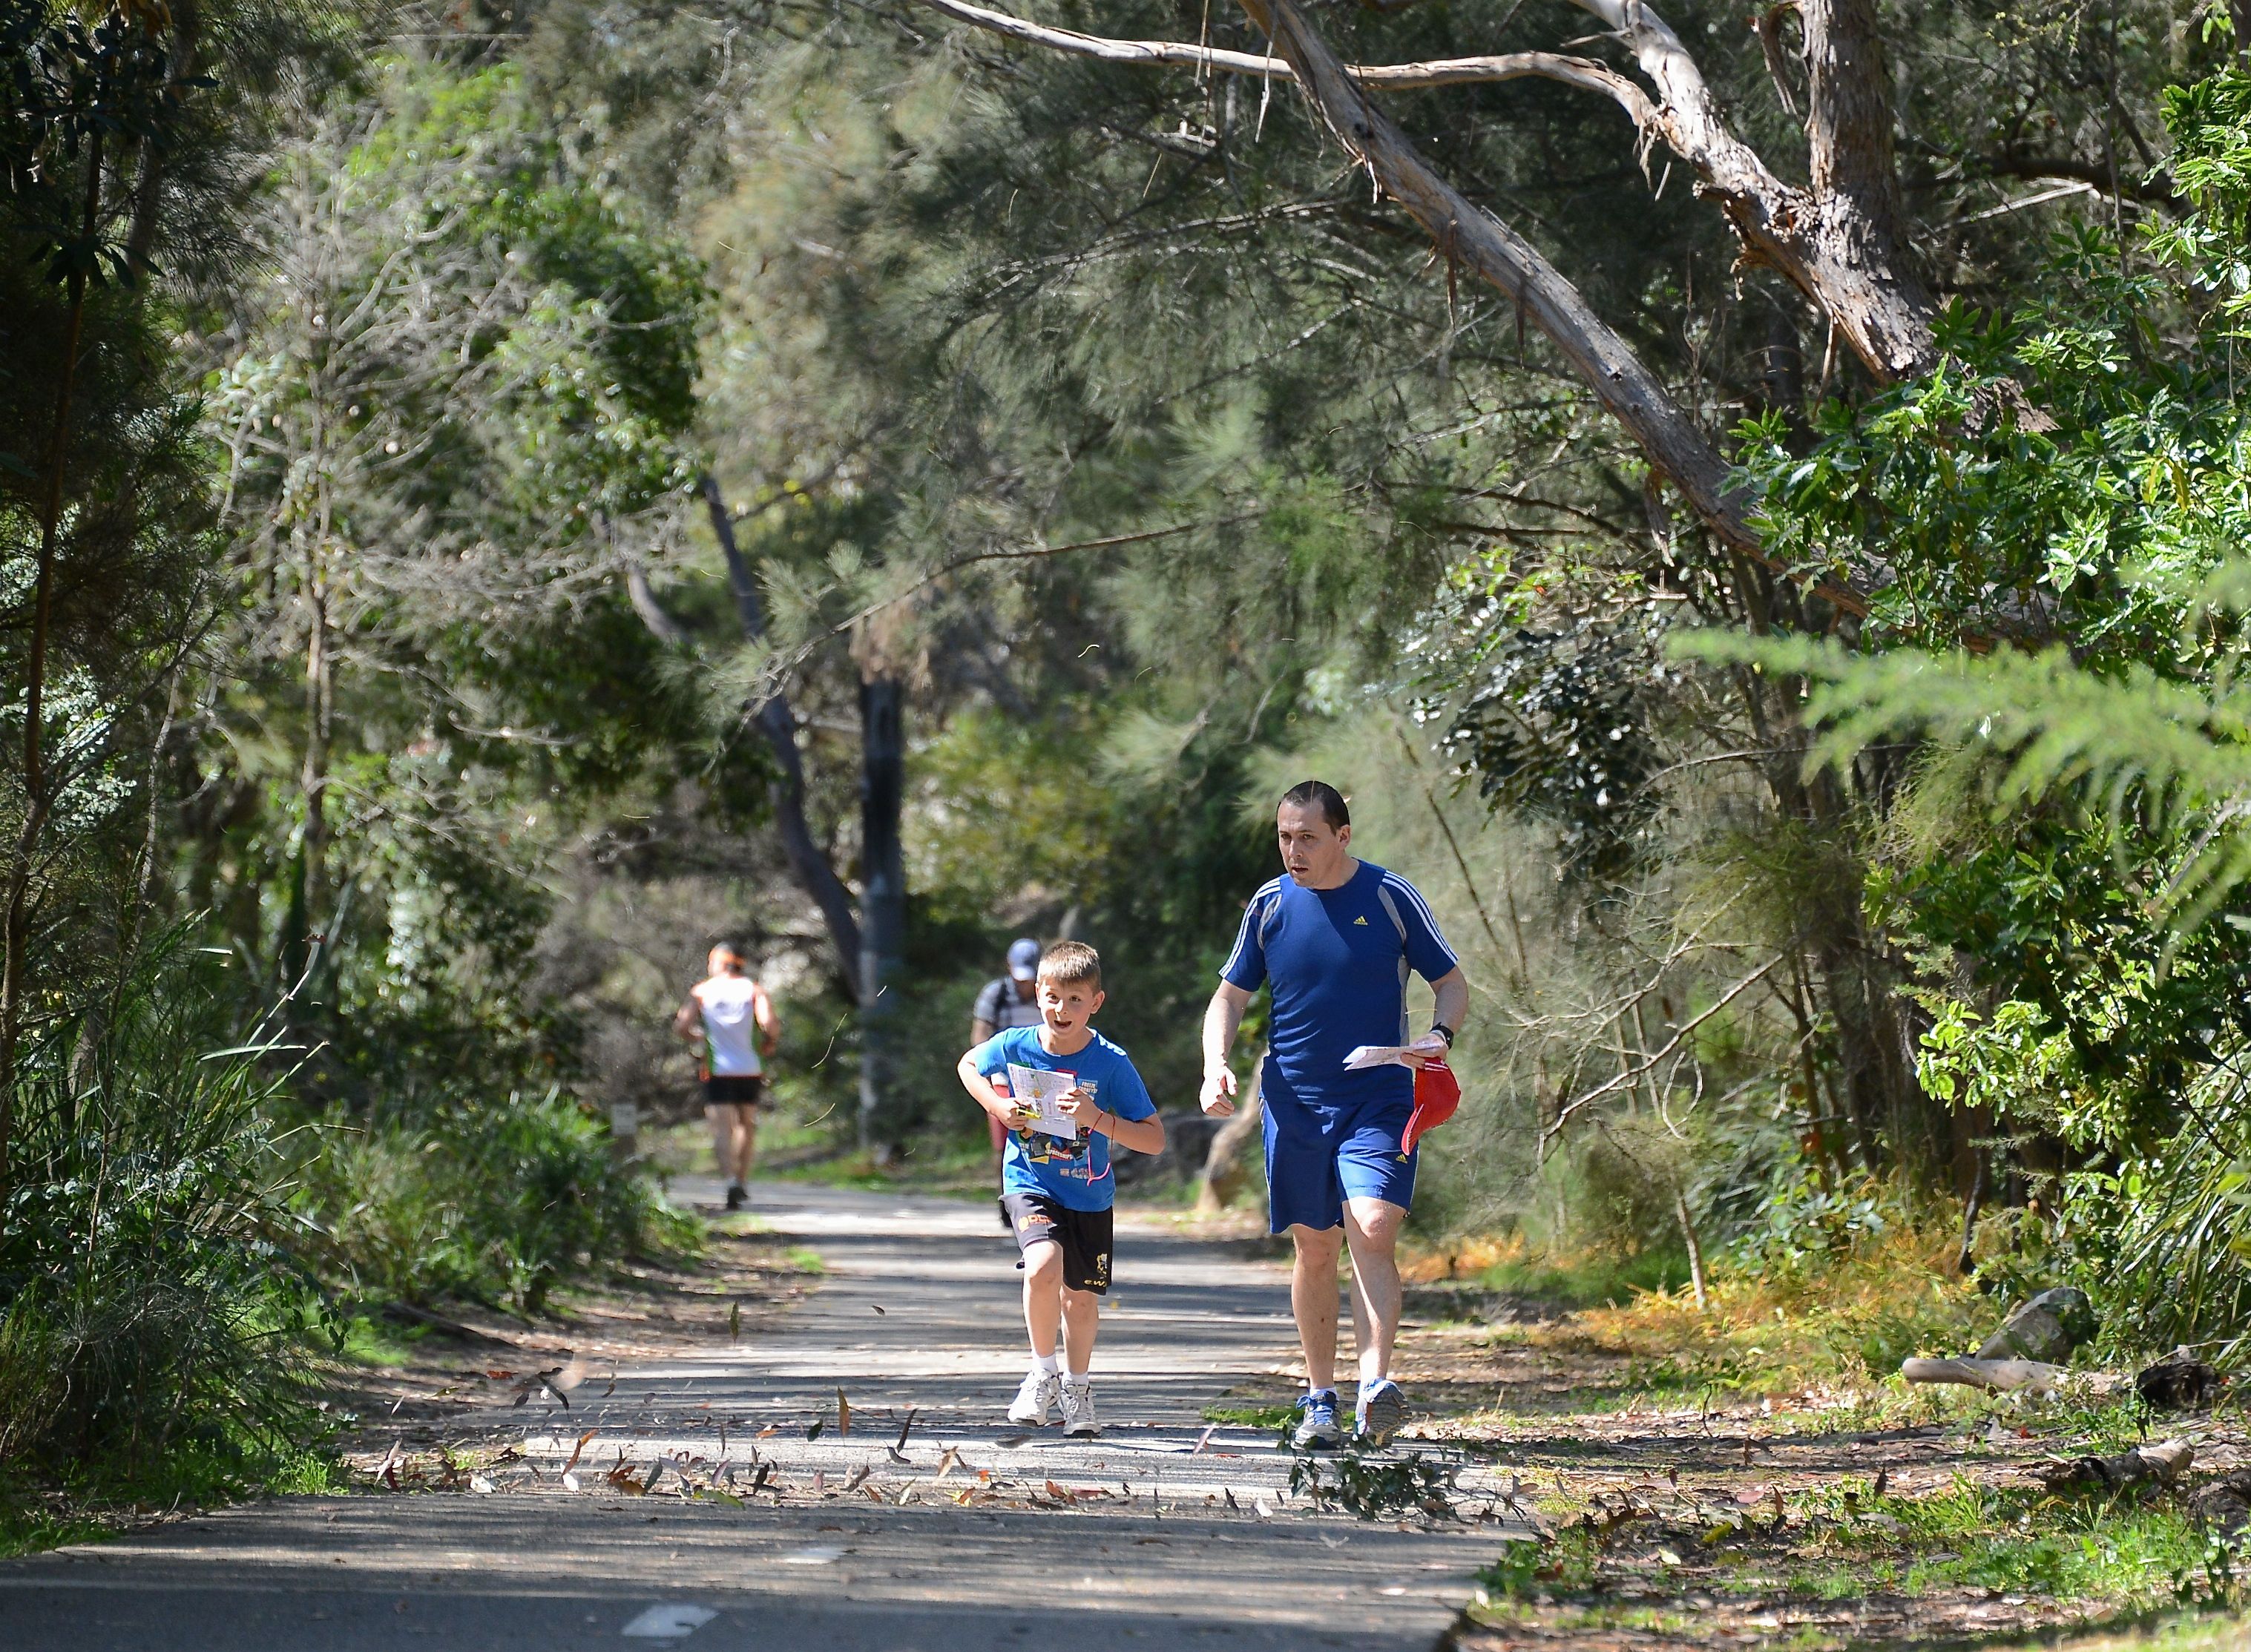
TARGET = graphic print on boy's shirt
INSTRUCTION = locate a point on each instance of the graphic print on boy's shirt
(1074, 1171)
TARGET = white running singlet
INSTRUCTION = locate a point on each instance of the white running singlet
(729, 1026)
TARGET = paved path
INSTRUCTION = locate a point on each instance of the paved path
(1193, 1539)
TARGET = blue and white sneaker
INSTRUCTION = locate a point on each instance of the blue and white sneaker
(1316, 1428)
(1381, 1408)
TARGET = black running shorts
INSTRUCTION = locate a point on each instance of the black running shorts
(1083, 1235)
(737, 1089)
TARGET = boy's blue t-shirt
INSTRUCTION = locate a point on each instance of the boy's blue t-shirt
(1338, 960)
(1074, 1174)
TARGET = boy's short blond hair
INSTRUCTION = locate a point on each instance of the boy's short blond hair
(1071, 963)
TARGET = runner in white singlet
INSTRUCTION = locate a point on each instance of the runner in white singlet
(731, 1018)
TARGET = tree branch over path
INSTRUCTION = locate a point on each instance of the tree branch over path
(1839, 243)
(1584, 72)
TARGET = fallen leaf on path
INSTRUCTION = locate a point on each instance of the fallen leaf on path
(843, 1414)
(1202, 1440)
(946, 1459)
(570, 1481)
(1328, 1542)
(819, 1423)
(1010, 1441)
(769, 1431)
(583, 1440)
(858, 1477)
(878, 1306)
(1057, 1492)
(480, 1484)
(1265, 1512)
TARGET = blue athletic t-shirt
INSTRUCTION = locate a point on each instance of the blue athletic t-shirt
(1338, 961)
(1074, 1174)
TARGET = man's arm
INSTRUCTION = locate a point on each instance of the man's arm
(688, 1021)
(1452, 991)
(979, 1030)
(1220, 1018)
(762, 1011)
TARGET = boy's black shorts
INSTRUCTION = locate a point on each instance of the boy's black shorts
(1083, 1235)
(734, 1089)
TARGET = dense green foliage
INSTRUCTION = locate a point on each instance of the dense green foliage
(2066, 503)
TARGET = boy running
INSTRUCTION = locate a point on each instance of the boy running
(721, 1013)
(1058, 1191)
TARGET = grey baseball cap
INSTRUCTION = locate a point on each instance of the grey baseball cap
(1024, 958)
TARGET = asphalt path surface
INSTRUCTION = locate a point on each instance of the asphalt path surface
(1164, 1531)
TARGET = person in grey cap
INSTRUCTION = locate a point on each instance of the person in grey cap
(1009, 1000)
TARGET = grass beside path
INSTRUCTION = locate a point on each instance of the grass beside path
(1754, 1473)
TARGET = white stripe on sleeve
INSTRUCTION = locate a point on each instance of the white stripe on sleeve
(1422, 906)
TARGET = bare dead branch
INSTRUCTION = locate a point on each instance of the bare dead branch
(1584, 72)
(1651, 1062)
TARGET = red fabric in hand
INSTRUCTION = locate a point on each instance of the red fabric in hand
(1437, 1092)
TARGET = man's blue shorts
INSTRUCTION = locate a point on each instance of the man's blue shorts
(1317, 1157)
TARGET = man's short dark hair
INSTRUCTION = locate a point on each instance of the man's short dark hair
(1319, 794)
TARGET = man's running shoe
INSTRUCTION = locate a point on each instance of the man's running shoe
(1381, 1409)
(1316, 1428)
(737, 1195)
(1078, 1409)
(1041, 1390)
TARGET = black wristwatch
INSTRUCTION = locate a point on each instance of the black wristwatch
(1444, 1032)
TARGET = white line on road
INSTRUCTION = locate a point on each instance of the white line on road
(674, 1620)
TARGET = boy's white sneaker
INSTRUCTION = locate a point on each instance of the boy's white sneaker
(1078, 1410)
(1041, 1389)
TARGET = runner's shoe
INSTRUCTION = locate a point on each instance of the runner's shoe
(1078, 1410)
(1316, 1428)
(1041, 1390)
(1381, 1410)
(737, 1195)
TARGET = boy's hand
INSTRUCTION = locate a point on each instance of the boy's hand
(1219, 1092)
(1017, 1111)
(1072, 1102)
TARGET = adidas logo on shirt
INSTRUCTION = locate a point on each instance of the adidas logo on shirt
(1362, 922)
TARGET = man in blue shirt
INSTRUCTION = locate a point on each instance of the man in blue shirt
(1336, 939)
